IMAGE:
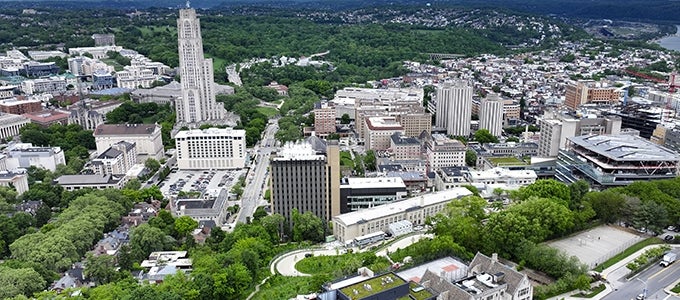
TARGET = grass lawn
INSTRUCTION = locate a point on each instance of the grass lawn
(268, 111)
(500, 161)
(596, 290)
(281, 287)
(676, 288)
(322, 264)
(632, 249)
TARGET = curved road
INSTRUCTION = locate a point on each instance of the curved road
(285, 264)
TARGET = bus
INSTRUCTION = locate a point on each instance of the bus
(371, 238)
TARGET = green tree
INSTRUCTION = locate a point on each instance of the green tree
(145, 239)
(345, 119)
(15, 282)
(471, 158)
(259, 213)
(133, 184)
(185, 225)
(307, 227)
(483, 136)
(152, 164)
(608, 205)
(100, 269)
(370, 160)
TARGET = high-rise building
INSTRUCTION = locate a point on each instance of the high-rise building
(491, 114)
(454, 108)
(306, 177)
(198, 103)
(324, 119)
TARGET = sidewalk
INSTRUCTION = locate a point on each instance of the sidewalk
(613, 275)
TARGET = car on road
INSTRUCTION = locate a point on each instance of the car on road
(640, 297)
(668, 238)
(309, 255)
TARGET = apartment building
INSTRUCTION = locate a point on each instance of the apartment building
(557, 127)
(442, 151)
(491, 114)
(116, 160)
(454, 107)
(324, 119)
(403, 147)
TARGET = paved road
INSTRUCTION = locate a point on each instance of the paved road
(654, 279)
(257, 177)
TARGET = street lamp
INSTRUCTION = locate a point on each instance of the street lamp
(644, 290)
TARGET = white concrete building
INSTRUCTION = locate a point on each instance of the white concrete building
(133, 77)
(347, 227)
(146, 137)
(198, 103)
(442, 151)
(10, 125)
(491, 115)
(118, 159)
(96, 52)
(556, 128)
(502, 176)
(379, 131)
(454, 108)
(24, 155)
(211, 148)
(17, 179)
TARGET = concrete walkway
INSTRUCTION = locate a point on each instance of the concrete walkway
(613, 274)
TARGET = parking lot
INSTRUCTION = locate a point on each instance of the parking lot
(198, 181)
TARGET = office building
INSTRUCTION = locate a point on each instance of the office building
(379, 131)
(212, 208)
(97, 182)
(198, 103)
(390, 102)
(50, 85)
(24, 155)
(133, 77)
(450, 177)
(643, 118)
(324, 119)
(146, 137)
(38, 69)
(615, 160)
(491, 114)
(347, 227)
(454, 108)
(102, 79)
(211, 148)
(306, 177)
(415, 123)
(557, 127)
(442, 151)
(18, 107)
(589, 91)
(7, 92)
(403, 147)
(360, 193)
(85, 66)
(116, 160)
(43, 55)
(10, 125)
(97, 52)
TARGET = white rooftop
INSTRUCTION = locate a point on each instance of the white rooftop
(211, 132)
(625, 148)
(297, 151)
(401, 206)
(499, 173)
(374, 182)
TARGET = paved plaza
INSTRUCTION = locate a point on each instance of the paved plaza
(596, 245)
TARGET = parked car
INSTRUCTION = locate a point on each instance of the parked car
(668, 238)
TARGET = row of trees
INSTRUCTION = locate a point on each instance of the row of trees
(73, 140)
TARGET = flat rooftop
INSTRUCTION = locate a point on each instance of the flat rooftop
(372, 286)
(381, 211)
(452, 268)
(376, 182)
(625, 148)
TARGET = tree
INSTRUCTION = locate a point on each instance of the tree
(100, 269)
(307, 227)
(231, 282)
(152, 164)
(185, 225)
(24, 281)
(145, 239)
(578, 190)
(133, 184)
(370, 160)
(345, 119)
(544, 188)
(483, 136)
(470, 158)
(512, 139)
(259, 213)
(272, 224)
